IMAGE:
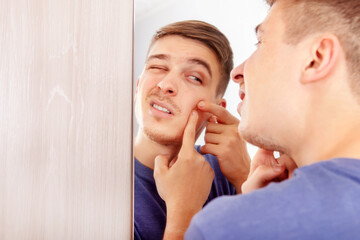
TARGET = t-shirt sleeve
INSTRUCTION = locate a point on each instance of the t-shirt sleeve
(193, 232)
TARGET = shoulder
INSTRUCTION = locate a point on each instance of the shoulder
(300, 207)
(241, 216)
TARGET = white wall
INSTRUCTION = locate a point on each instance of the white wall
(65, 119)
(235, 18)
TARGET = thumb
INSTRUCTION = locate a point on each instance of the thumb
(172, 162)
(161, 164)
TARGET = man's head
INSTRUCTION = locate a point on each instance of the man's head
(304, 69)
(187, 62)
(340, 17)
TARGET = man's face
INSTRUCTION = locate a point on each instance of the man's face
(268, 86)
(179, 72)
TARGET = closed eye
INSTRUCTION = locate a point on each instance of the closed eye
(157, 68)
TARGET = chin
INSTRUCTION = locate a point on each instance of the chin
(259, 139)
(163, 138)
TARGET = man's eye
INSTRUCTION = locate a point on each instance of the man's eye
(157, 68)
(195, 78)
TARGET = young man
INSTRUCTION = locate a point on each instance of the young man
(188, 62)
(300, 93)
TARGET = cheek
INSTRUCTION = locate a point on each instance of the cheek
(147, 83)
(189, 101)
(258, 65)
(188, 107)
(257, 81)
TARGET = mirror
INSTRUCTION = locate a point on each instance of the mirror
(236, 19)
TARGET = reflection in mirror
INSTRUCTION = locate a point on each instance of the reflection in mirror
(172, 77)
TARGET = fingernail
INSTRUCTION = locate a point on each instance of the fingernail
(201, 104)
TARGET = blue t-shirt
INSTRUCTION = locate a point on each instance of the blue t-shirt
(320, 201)
(150, 209)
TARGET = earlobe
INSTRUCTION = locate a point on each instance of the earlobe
(221, 102)
(323, 58)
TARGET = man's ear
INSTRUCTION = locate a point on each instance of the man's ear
(323, 58)
(221, 102)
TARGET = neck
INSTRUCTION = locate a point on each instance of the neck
(333, 133)
(344, 145)
(146, 150)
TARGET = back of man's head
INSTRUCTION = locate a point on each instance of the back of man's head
(210, 36)
(340, 17)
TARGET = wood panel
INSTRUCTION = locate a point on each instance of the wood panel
(65, 119)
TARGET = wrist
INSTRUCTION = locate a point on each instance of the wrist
(239, 180)
(243, 175)
(238, 184)
(177, 222)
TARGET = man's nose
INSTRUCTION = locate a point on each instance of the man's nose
(237, 74)
(168, 85)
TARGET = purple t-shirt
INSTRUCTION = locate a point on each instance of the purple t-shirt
(320, 201)
(150, 209)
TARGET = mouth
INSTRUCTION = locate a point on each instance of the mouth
(160, 108)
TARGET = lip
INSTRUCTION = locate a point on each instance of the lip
(159, 113)
(241, 94)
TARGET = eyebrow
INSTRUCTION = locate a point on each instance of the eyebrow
(158, 56)
(192, 61)
(202, 63)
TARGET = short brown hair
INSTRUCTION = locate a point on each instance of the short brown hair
(340, 17)
(208, 35)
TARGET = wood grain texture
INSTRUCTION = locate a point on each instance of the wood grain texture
(65, 119)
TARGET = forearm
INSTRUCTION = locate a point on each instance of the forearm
(242, 175)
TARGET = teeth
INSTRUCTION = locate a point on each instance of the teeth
(161, 108)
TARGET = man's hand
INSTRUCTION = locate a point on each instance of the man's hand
(223, 140)
(185, 185)
(265, 169)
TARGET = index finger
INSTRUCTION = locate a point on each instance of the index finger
(222, 115)
(188, 141)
